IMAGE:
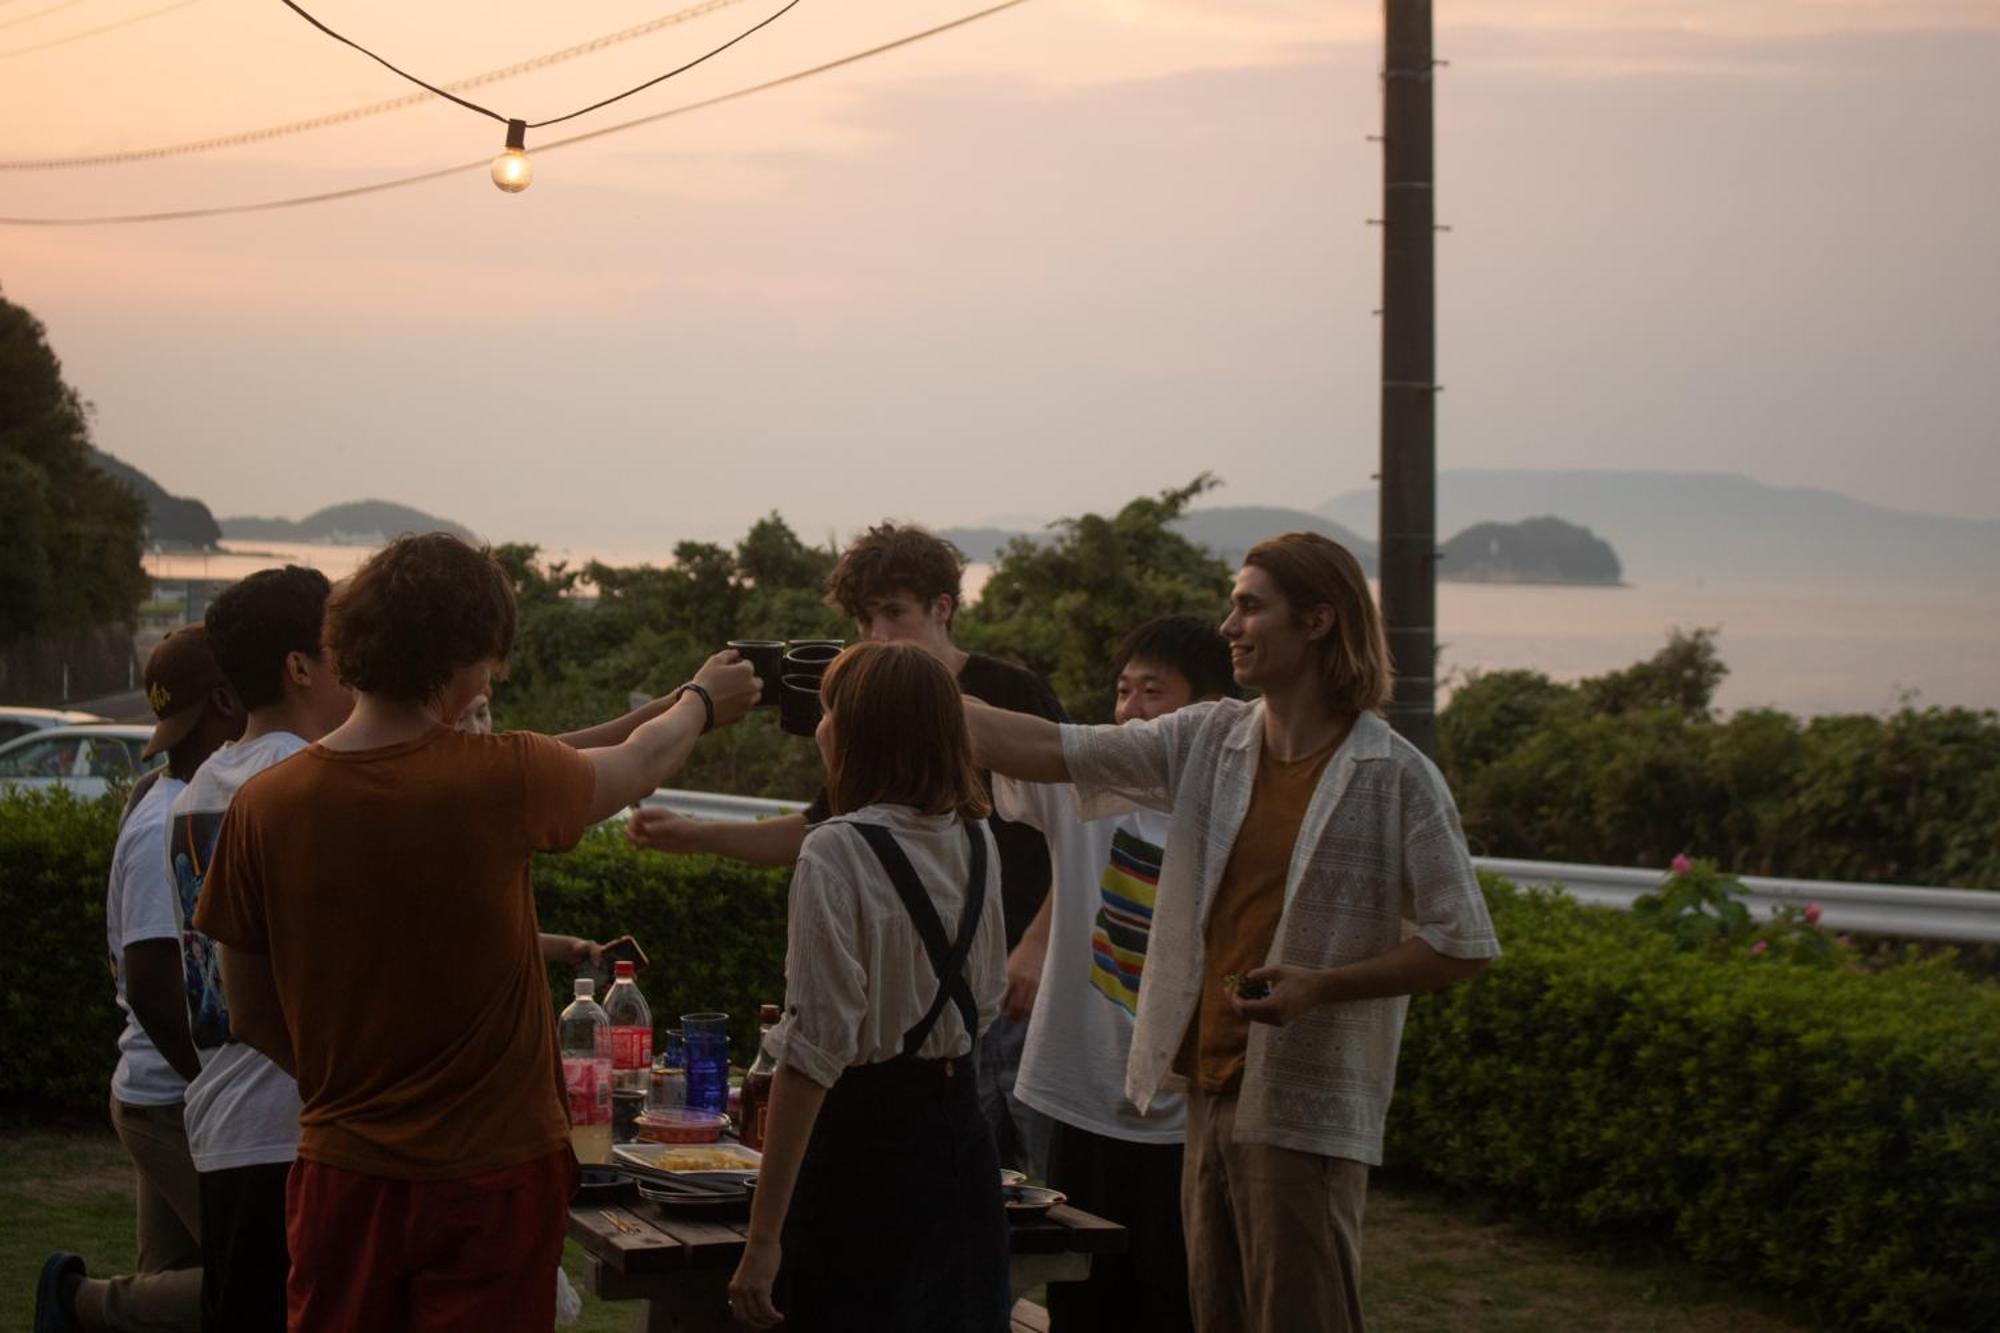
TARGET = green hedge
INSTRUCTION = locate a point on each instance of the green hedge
(714, 932)
(58, 1024)
(1831, 1133)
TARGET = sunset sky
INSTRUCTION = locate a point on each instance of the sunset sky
(1074, 252)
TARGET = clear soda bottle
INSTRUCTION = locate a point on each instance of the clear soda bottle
(631, 1031)
(584, 1033)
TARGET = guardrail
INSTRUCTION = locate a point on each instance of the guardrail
(1957, 916)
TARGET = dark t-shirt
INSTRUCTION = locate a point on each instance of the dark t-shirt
(1024, 856)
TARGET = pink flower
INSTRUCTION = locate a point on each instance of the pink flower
(1812, 914)
(1680, 865)
(1759, 947)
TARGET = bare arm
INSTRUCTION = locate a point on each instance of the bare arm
(255, 1016)
(1024, 965)
(1019, 745)
(761, 842)
(618, 729)
(636, 766)
(157, 992)
(795, 1104)
(1411, 968)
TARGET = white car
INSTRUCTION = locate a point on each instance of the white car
(18, 722)
(86, 759)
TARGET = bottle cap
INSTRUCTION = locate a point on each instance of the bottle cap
(622, 971)
(584, 987)
(768, 1013)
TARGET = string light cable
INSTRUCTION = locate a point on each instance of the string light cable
(360, 112)
(328, 196)
(93, 32)
(511, 171)
(30, 18)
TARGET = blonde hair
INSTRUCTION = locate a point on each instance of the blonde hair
(1311, 570)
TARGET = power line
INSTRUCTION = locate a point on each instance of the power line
(373, 108)
(79, 37)
(301, 201)
(296, 8)
(40, 13)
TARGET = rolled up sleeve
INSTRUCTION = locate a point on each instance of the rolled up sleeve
(826, 994)
(1441, 894)
(1135, 766)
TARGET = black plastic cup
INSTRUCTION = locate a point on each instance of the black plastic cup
(798, 706)
(810, 658)
(767, 656)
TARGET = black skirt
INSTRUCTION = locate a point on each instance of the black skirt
(896, 1222)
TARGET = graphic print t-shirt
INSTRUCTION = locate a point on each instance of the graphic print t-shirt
(243, 1110)
(1107, 873)
(139, 906)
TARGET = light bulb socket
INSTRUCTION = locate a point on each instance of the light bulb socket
(517, 135)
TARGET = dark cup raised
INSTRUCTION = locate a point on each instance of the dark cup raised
(810, 659)
(798, 706)
(767, 656)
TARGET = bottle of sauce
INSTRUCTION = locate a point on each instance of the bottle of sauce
(757, 1082)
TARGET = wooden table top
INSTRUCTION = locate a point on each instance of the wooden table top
(638, 1238)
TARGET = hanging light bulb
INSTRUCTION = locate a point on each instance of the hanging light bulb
(512, 171)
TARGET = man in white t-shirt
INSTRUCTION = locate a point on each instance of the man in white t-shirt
(1109, 1157)
(243, 1111)
(195, 713)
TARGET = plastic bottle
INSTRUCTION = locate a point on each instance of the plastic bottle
(756, 1107)
(584, 1033)
(631, 1051)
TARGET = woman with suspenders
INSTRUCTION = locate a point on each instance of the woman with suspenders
(878, 1202)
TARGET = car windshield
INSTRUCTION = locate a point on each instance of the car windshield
(54, 757)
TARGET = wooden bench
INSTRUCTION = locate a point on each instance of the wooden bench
(680, 1267)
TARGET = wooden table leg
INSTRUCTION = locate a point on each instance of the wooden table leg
(1025, 1272)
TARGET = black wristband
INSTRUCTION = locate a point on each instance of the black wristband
(707, 706)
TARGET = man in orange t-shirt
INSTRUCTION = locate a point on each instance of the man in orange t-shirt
(379, 942)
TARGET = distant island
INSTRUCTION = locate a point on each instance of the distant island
(1536, 550)
(1540, 550)
(171, 520)
(356, 523)
(1718, 527)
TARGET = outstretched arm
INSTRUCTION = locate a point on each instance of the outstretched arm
(760, 842)
(636, 766)
(1019, 745)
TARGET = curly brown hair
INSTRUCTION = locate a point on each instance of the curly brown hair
(421, 608)
(899, 733)
(889, 559)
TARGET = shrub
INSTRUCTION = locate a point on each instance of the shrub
(713, 930)
(1829, 1132)
(58, 1024)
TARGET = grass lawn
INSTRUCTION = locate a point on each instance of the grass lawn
(1431, 1264)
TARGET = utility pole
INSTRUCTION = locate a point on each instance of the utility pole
(1408, 528)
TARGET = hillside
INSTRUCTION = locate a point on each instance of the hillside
(1719, 527)
(1227, 530)
(357, 523)
(1539, 550)
(171, 520)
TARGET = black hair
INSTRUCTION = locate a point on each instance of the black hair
(255, 622)
(1190, 645)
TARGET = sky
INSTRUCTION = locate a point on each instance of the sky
(1072, 253)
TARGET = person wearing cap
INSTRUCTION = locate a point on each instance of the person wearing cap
(196, 713)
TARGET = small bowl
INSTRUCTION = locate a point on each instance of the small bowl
(1030, 1203)
(679, 1125)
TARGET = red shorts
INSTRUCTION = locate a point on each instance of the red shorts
(395, 1255)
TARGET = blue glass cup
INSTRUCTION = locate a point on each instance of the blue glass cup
(707, 1038)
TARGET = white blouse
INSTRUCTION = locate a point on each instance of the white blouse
(856, 974)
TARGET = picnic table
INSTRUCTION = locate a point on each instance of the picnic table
(680, 1266)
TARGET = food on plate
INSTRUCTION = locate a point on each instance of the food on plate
(702, 1159)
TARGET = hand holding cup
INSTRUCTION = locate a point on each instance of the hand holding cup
(731, 683)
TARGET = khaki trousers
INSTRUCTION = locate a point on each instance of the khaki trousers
(1273, 1234)
(165, 1294)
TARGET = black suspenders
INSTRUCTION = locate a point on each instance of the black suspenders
(947, 959)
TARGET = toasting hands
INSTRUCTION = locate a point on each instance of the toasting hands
(731, 683)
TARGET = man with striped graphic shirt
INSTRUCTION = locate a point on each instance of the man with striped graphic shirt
(1107, 1155)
